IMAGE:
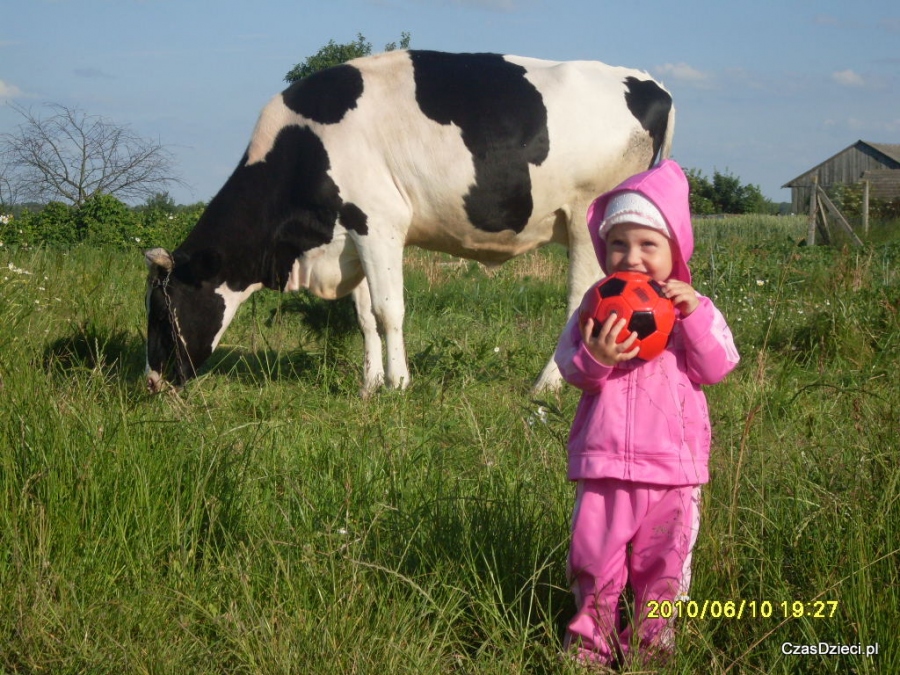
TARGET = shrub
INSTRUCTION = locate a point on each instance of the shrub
(849, 199)
(166, 228)
(104, 220)
(54, 225)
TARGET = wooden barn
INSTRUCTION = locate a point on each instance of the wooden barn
(878, 163)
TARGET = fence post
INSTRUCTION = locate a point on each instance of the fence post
(811, 228)
(865, 208)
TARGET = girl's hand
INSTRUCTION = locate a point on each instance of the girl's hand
(682, 295)
(603, 347)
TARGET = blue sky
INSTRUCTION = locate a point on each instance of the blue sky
(764, 90)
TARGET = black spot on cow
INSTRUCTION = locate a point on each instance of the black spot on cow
(202, 265)
(504, 125)
(650, 104)
(269, 213)
(353, 218)
(326, 96)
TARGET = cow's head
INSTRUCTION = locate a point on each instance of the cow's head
(184, 314)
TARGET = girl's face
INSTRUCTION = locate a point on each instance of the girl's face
(636, 248)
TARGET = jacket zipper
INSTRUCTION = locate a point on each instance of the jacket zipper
(629, 424)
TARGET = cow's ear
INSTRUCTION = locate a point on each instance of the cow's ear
(205, 264)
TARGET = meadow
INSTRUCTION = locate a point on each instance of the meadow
(267, 519)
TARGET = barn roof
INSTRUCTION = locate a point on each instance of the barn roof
(890, 151)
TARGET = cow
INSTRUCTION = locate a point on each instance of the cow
(482, 156)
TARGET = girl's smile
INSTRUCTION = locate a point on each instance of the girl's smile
(637, 248)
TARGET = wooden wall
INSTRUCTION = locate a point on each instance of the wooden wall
(848, 167)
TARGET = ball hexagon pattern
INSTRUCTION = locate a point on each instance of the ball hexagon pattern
(640, 301)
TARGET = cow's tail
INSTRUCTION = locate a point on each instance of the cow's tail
(665, 149)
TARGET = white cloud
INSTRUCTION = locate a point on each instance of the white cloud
(682, 72)
(848, 78)
(9, 91)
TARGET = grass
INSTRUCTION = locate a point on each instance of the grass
(267, 519)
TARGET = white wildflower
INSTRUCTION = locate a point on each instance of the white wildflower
(540, 415)
(17, 270)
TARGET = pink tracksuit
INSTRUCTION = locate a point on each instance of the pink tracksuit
(639, 450)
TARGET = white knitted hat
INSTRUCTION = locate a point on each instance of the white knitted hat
(634, 208)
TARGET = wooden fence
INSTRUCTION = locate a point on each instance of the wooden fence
(818, 219)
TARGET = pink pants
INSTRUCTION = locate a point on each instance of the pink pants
(635, 533)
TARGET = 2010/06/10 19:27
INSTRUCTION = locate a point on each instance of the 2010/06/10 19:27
(740, 609)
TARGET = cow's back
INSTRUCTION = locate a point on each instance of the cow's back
(477, 154)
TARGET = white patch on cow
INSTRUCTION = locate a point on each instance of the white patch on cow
(401, 149)
(301, 272)
(273, 118)
(330, 271)
(233, 300)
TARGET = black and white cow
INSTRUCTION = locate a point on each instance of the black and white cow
(481, 156)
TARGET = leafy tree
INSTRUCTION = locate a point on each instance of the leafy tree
(725, 194)
(161, 202)
(334, 54)
(70, 156)
(702, 197)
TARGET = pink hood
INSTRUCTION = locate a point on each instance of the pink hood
(667, 187)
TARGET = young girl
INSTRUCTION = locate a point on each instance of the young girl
(639, 444)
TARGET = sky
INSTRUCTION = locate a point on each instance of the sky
(763, 90)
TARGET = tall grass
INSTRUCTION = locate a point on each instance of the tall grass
(267, 519)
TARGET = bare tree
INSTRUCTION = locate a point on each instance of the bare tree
(70, 156)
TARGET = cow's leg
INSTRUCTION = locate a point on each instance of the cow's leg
(373, 366)
(383, 265)
(584, 270)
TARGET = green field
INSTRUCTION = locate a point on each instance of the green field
(267, 519)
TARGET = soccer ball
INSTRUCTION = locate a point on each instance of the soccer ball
(640, 301)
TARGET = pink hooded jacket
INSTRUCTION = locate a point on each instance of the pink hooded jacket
(647, 421)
